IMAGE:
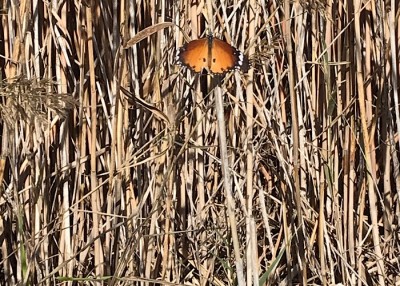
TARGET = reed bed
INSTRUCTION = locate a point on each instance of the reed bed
(112, 159)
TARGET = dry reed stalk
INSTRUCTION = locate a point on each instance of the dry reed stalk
(253, 266)
(368, 161)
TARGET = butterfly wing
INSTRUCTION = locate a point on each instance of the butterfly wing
(194, 55)
(226, 58)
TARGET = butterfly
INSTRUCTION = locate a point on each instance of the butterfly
(212, 54)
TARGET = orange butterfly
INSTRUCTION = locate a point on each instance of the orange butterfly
(213, 55)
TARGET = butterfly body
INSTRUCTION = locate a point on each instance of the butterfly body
(212, 54)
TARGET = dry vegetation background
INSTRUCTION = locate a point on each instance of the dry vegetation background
(111, 166)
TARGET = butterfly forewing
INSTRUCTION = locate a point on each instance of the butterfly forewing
(224, 57)
(194, 55)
